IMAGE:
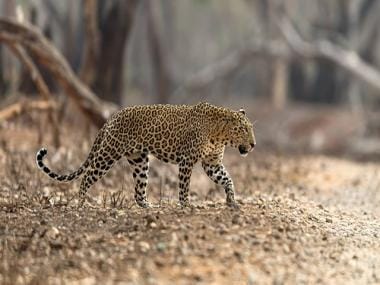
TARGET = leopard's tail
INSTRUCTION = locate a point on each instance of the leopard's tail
(77, 173)
(62, 178)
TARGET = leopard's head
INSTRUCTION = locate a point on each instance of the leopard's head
(240, 132)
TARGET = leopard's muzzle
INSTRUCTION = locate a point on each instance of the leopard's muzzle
(244, 149)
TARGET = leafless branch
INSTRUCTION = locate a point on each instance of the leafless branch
(46, 54)
(346, 59)
(41, 86)
(294, 47)
(21, 54)
(55, 14)
(231, 63)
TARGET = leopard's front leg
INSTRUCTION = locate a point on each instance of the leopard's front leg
(140, 169)
(218, 173)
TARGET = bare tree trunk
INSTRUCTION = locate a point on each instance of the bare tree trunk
(115, 29)
(8, 9)
(279, 91)
(2, 78)
(69, 34)
(91, 47)
(169, 20)
(160, 72)
(279, 83)
(353, 27)
(27, 86)
(322, 83)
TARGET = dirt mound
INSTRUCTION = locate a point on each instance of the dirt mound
(303, 219)
(271, 239)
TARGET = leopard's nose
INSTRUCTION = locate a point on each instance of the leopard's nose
(253, 145)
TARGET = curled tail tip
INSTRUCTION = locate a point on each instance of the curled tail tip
(42, 151)
(39, 156)
(62, 178)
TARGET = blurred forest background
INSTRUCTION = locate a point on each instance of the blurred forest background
(306, 70)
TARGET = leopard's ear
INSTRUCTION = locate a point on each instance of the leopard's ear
(241, 110)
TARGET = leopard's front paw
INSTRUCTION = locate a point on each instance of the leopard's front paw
(233, 205)
(84, 202)
(186, 204)
(144, 204)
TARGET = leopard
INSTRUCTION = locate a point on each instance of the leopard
(177, 134)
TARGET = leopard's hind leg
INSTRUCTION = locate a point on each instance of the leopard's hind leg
(100, 165)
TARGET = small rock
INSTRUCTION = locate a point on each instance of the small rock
(223, 229)
(144, 246)
(150, 218)
(161, 246)
(46, 192)
(236, 220)
(239, 256)
(52, 233)
(266, 246)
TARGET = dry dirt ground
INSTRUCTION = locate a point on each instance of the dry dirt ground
(303, 219)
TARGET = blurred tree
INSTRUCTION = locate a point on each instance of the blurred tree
(322, 84)
(169, 21)
(279, 66)
(362, 31)
(7, 64)
(32, 40)
(235, 45)
(27, 85)
(160, 72)
(90, 53)
(2, 79)
(115, 22)
(71, 49)
(350, 24)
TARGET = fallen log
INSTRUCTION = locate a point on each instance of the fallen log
(25, 106)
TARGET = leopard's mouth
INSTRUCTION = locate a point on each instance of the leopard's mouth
(243, 150)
